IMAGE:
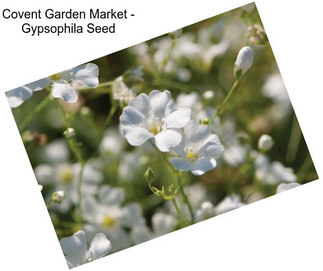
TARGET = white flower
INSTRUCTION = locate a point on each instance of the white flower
(44, 174)
(265, 143)
(286, 186)
(56, 152)
(121, 92)
(163, 223)
(63, 84)
(191, 101)
(183, 74)
(146, 118)
(112, 142)
(205, 211)
(274, 88)
(228, 203)
(77, 252)
(244, 60)
(198, 150)
(140, 234)
(18, 95)
(130, 164)
(64, 177)
(108, 216)
(272, 173)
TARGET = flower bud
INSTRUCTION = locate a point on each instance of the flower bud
(205, 121)
(69, 132)
(243, 62)
(265, 143)
(149, 175)
(58, 196)
(85, 111)
(209, 94)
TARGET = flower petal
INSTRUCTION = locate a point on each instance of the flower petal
(136, 136)
(131, 215)
(200, 166)
(141, 103)
(87, 75)
(119, 239)
(61, 89)
(178, 119)
(163, 223)
(180, 163)
(286, 186)
(75, 248)
(195, 135)
(131, 116)
(17, 96)
(158, 101)
(39, 84)
(167, 139)
(212, 147)
(111, 195)
(140, 234)
(100, 246)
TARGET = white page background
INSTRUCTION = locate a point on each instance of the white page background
(283, 232)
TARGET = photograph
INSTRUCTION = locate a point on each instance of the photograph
(161, 135)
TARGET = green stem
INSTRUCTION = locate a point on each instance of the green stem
(179, 214)
(35, 111)
(180, 186)
(304, 169)
(294, 141)
(221, 107)
(49, 203)
(184, 196)
(79, 191)
(96, 90)
(73, 144)
(110, 115)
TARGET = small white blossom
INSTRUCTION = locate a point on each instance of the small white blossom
(56, 152)
(146, 118)
(112, 142)
(63, 85)
(228, 203)
(77, 252)
(272, 173)
(244, 60)
(163, 223)
(18, 95)
(121, 92)
(274, 88)
(198, 149)
(106, 215)
(265, 143)
(205, 211)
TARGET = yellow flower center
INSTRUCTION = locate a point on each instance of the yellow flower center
(192, 156)
(109, 222)
(67, 176)
(155, 129)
